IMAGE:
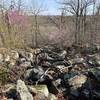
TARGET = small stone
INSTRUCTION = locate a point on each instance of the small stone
(63, 54)
(57, 82)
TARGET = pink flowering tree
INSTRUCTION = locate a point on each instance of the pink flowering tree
(18, 18)
(18, 26)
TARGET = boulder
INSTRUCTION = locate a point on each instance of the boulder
(96, 73)
(93, 61)
(9, 91)
(8, 87)
(6, 58)
(35, 74)
(1, 58)
(14, 54)
(76, 82)
(40, 92)
(76, 60)
(29, 56)
(23, 91)
(42, 89)
(52, 97)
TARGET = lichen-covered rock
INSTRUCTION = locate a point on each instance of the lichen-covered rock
(40, 96)
(42, 89)
(52, 97)
(77, 81)
(23, 91)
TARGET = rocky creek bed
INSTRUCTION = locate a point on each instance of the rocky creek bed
(50, 73)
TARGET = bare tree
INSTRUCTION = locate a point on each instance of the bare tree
(96, 21)
(79, 9)
(36, 10)
(2, 10)
(19, 5)
(60, 23)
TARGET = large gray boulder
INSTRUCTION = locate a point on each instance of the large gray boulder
(41, 92)
(76, 82)
(23, 91)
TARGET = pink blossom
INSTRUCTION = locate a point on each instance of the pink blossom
(18, 18)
